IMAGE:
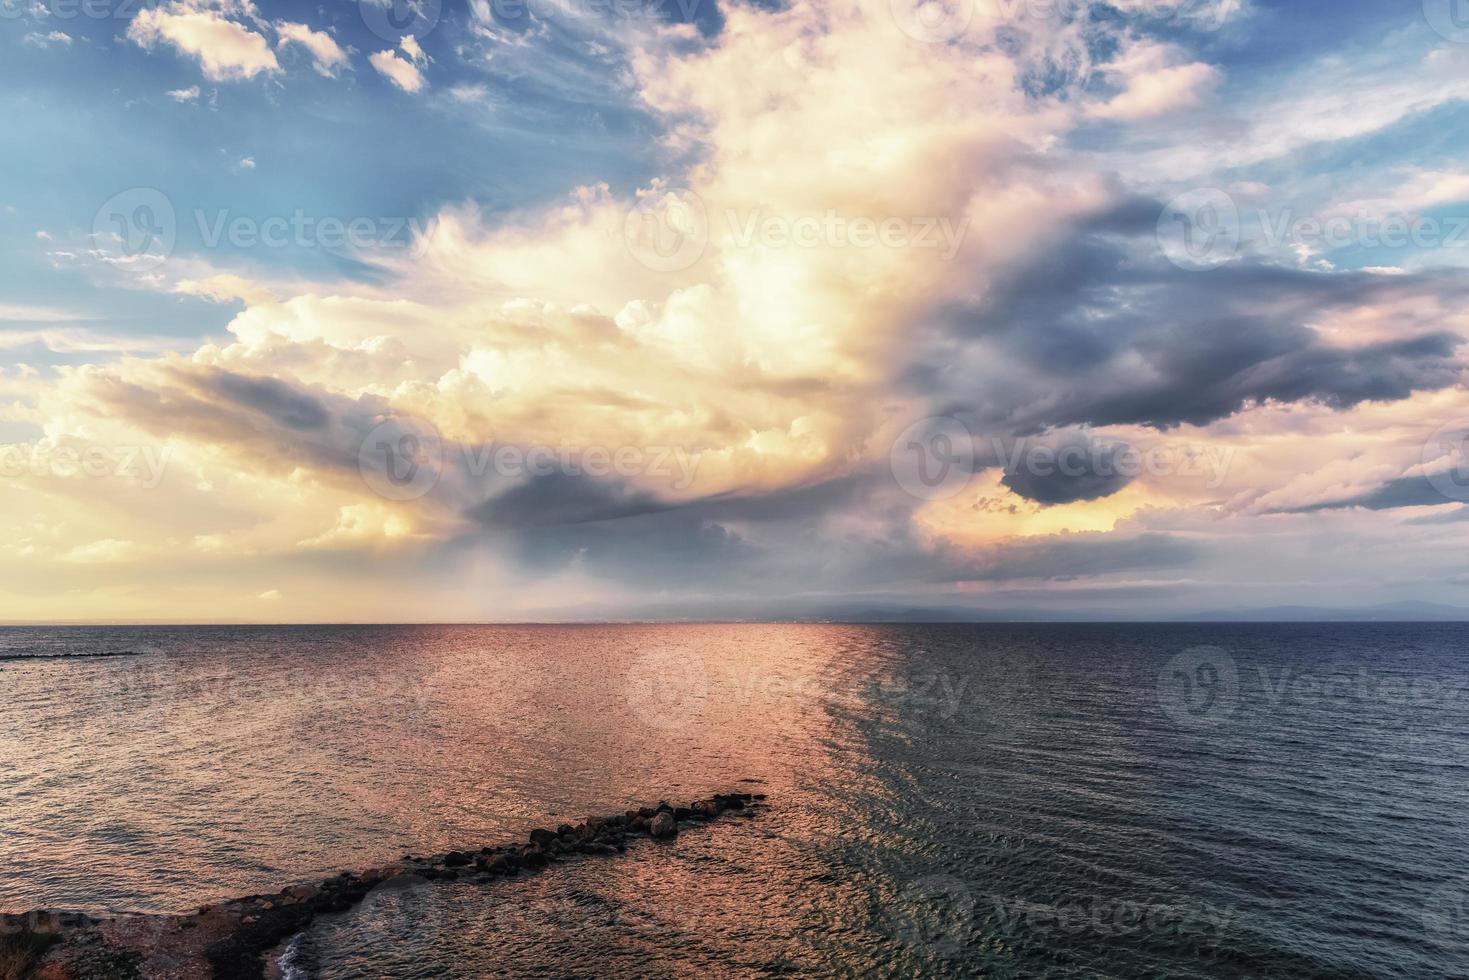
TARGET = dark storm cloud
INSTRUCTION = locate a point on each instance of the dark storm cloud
(281, 402)
(1099, 329)
(670, 549)
(560, 499)
(1067, 467)
(1405, 491)
(277, 424)
(786, 542)
(753, 541)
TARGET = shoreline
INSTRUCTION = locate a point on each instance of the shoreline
(231, 940)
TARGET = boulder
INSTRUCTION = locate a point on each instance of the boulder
(663, 826)
(496, 865)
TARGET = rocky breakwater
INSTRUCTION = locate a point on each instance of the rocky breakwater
(228, 941)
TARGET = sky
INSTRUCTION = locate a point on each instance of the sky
(617, 309)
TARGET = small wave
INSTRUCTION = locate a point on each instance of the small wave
(290, 964)
(73, 656)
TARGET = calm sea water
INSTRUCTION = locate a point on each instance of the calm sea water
(1070, 801)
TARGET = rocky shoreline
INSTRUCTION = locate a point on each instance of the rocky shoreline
(229, 940)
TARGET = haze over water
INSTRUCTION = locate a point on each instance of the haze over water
(1047, 800)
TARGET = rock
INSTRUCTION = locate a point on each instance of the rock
(663, 826)
(232, 936)
(496, 865)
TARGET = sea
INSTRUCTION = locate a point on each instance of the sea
(1048, 800)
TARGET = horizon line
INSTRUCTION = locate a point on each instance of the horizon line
(1183, 621)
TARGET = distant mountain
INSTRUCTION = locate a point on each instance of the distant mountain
(876, 610)
(1407, 611)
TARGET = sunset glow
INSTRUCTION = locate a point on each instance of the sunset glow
(645, 301)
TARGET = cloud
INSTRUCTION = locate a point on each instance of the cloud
(562, 499)
(783, 352)
(1418, 490)
(38, 40)
(225, 49)
(20, 313)
(470, 94)
(327, 56)
(226, 287)
(402, 72)
(1154, 79)
(1412, 191)
(106, 551)
(1092, 331)
(1159, 92)
(190, 94)
(1074, 466)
